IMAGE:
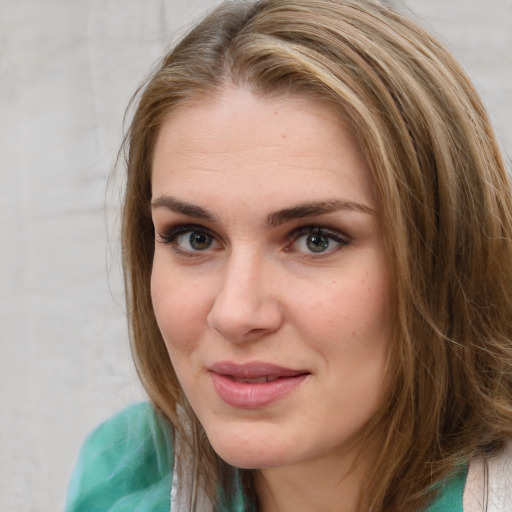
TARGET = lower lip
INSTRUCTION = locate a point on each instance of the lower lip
(244, 395)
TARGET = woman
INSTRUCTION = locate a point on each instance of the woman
(318, 261)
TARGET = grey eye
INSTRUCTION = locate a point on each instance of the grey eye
(195, 241)
(316, 242)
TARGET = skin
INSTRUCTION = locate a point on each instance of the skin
(257, 292)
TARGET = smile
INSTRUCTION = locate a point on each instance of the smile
(254, 385)
(257, 380)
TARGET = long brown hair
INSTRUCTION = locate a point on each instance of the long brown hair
(445, 207)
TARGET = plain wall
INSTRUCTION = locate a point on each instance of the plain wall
(67, 71)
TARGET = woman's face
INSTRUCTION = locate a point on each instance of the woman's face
(270, 280)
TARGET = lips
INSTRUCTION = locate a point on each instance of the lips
(256, 380)
(254, 385)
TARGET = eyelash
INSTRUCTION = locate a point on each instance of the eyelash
(170, 235)
(332, 235)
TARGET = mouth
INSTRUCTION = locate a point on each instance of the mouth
(254, 385)
(254, 372)
(255, 380)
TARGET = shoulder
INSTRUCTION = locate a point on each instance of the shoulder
(489, 483)
(124, 465)
(450, 492)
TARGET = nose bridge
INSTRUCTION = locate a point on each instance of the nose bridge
(243, 269)
(245, 305)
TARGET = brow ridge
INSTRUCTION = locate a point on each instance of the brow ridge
(313, 209)
(178, 206)
(274, 219)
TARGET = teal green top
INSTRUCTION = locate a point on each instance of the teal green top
(126, 464)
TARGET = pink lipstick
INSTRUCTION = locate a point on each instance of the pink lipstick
(253, 385)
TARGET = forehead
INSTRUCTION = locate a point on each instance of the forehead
(239, 142)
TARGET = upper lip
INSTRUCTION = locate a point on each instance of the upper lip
(253, 370)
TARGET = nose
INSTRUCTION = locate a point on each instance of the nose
(246, 307)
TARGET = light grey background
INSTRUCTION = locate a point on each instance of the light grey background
(67, 71)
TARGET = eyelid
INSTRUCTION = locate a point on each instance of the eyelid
(337, 236)
(169, 235)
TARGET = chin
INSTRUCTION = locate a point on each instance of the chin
(254, 452)
(248, 460)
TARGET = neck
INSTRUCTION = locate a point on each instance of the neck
(320, 485)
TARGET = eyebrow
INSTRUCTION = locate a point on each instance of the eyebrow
(313, 209)
(189, 209)
(274, 219)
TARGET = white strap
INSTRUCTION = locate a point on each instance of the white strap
(489, 483)
(185, 497)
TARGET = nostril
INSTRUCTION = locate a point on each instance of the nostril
(245, 306)
(243, 323)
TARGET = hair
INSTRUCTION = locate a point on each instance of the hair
(445, 206)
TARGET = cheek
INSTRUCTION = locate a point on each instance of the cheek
(356, 306)
(369, 298)
(179, 309)
(350, 329)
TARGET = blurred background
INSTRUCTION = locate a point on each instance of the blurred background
(67, 71)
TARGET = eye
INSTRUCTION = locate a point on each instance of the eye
(194, 241)
(317, 240)
(188, 239)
